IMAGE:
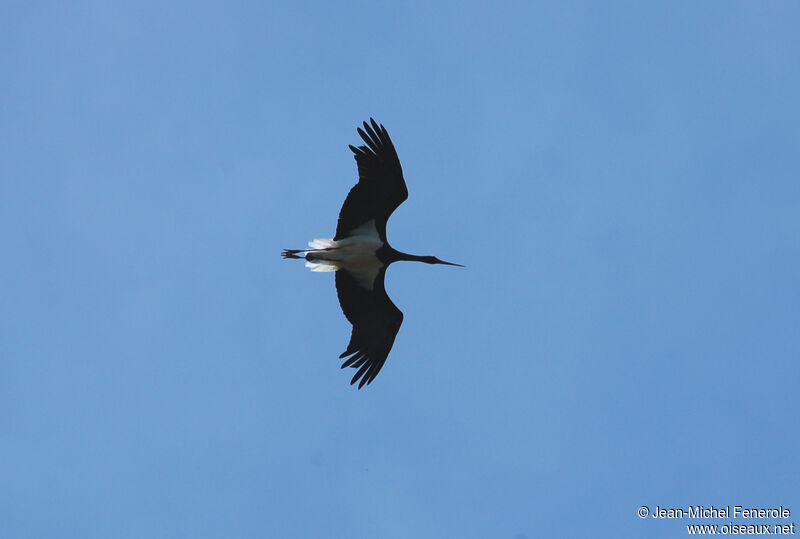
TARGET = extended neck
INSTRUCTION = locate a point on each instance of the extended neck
(411, 258)
(395, 256)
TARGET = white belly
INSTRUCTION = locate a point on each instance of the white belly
(356, 253)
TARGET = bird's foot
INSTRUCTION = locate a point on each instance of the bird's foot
(292, 253)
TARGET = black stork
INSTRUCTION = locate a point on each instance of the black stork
(360, 254)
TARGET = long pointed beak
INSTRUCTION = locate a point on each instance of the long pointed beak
(449, 263)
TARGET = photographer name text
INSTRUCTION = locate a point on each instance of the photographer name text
(736, 511)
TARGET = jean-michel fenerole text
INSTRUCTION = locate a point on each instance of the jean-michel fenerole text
(727, 511)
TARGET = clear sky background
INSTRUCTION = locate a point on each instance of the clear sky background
(621, 180)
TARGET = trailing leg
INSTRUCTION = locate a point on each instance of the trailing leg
(292, 253)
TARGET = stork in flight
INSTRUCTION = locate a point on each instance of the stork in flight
(360, 254)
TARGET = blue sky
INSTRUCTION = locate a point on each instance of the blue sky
(621, 180)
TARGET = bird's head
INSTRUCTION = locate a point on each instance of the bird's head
(434, 260)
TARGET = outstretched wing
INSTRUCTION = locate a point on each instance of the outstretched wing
(376, 321)
(380, 188)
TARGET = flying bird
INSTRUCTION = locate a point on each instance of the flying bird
(359, 254)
